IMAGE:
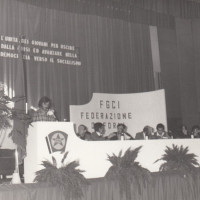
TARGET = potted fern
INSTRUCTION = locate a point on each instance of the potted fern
(8, 112)
(177, 159)
(67, 177)
(5, 109)
(127, 171)
(20, 119)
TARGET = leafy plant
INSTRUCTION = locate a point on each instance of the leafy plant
(20, 118)
(68, 177)
(127, 171)
(8, 113)
(5, 111)
(178, 159)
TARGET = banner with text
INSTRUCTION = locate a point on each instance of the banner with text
(12, 47)
(134, 110)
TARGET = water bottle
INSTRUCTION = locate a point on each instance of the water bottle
(122, 136)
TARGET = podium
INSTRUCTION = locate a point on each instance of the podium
(39, 145)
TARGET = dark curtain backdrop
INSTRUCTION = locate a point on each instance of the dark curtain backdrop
(187, 70)
(196, 38)
(115, 54)
(170, 75)
(179, 54)
(115, 50)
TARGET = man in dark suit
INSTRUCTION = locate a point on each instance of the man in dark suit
(142, 135)
(121, 133)
(99, 131)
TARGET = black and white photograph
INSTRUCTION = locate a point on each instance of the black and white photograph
(99, 99)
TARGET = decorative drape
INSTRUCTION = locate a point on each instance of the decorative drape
(160, 12)
(162, 187)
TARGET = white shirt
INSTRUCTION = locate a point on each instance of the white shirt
(99, 134)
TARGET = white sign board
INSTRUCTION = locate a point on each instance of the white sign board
(134, 110)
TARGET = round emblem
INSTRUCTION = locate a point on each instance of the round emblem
(58, 141)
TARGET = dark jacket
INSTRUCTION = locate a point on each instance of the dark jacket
(96, 137)
(115, 136)
(139, 136)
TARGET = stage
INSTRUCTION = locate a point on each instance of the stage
(161, 187)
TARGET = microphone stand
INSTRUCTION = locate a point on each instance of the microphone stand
(23, 62)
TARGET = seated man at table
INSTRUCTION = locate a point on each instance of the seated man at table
(121, 133)
(99, 131)
(160, 133)
(146, 133)
(196, 131)
(83, 132)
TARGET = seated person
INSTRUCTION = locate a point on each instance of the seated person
(121, 133)
(160, 133)
(99, 131)
(196, 131)
(183, 133)
(147, 132)
(83, 132)
(44, 112)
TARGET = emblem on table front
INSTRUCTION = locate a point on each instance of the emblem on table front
(56, 141)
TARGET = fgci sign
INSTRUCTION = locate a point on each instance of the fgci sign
(110, 118)
(134, 110)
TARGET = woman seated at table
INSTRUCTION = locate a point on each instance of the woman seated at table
(45, 112)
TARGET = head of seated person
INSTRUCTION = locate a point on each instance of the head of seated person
(99, 131)
(183, 132)
(196, 131)
(83, 132)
